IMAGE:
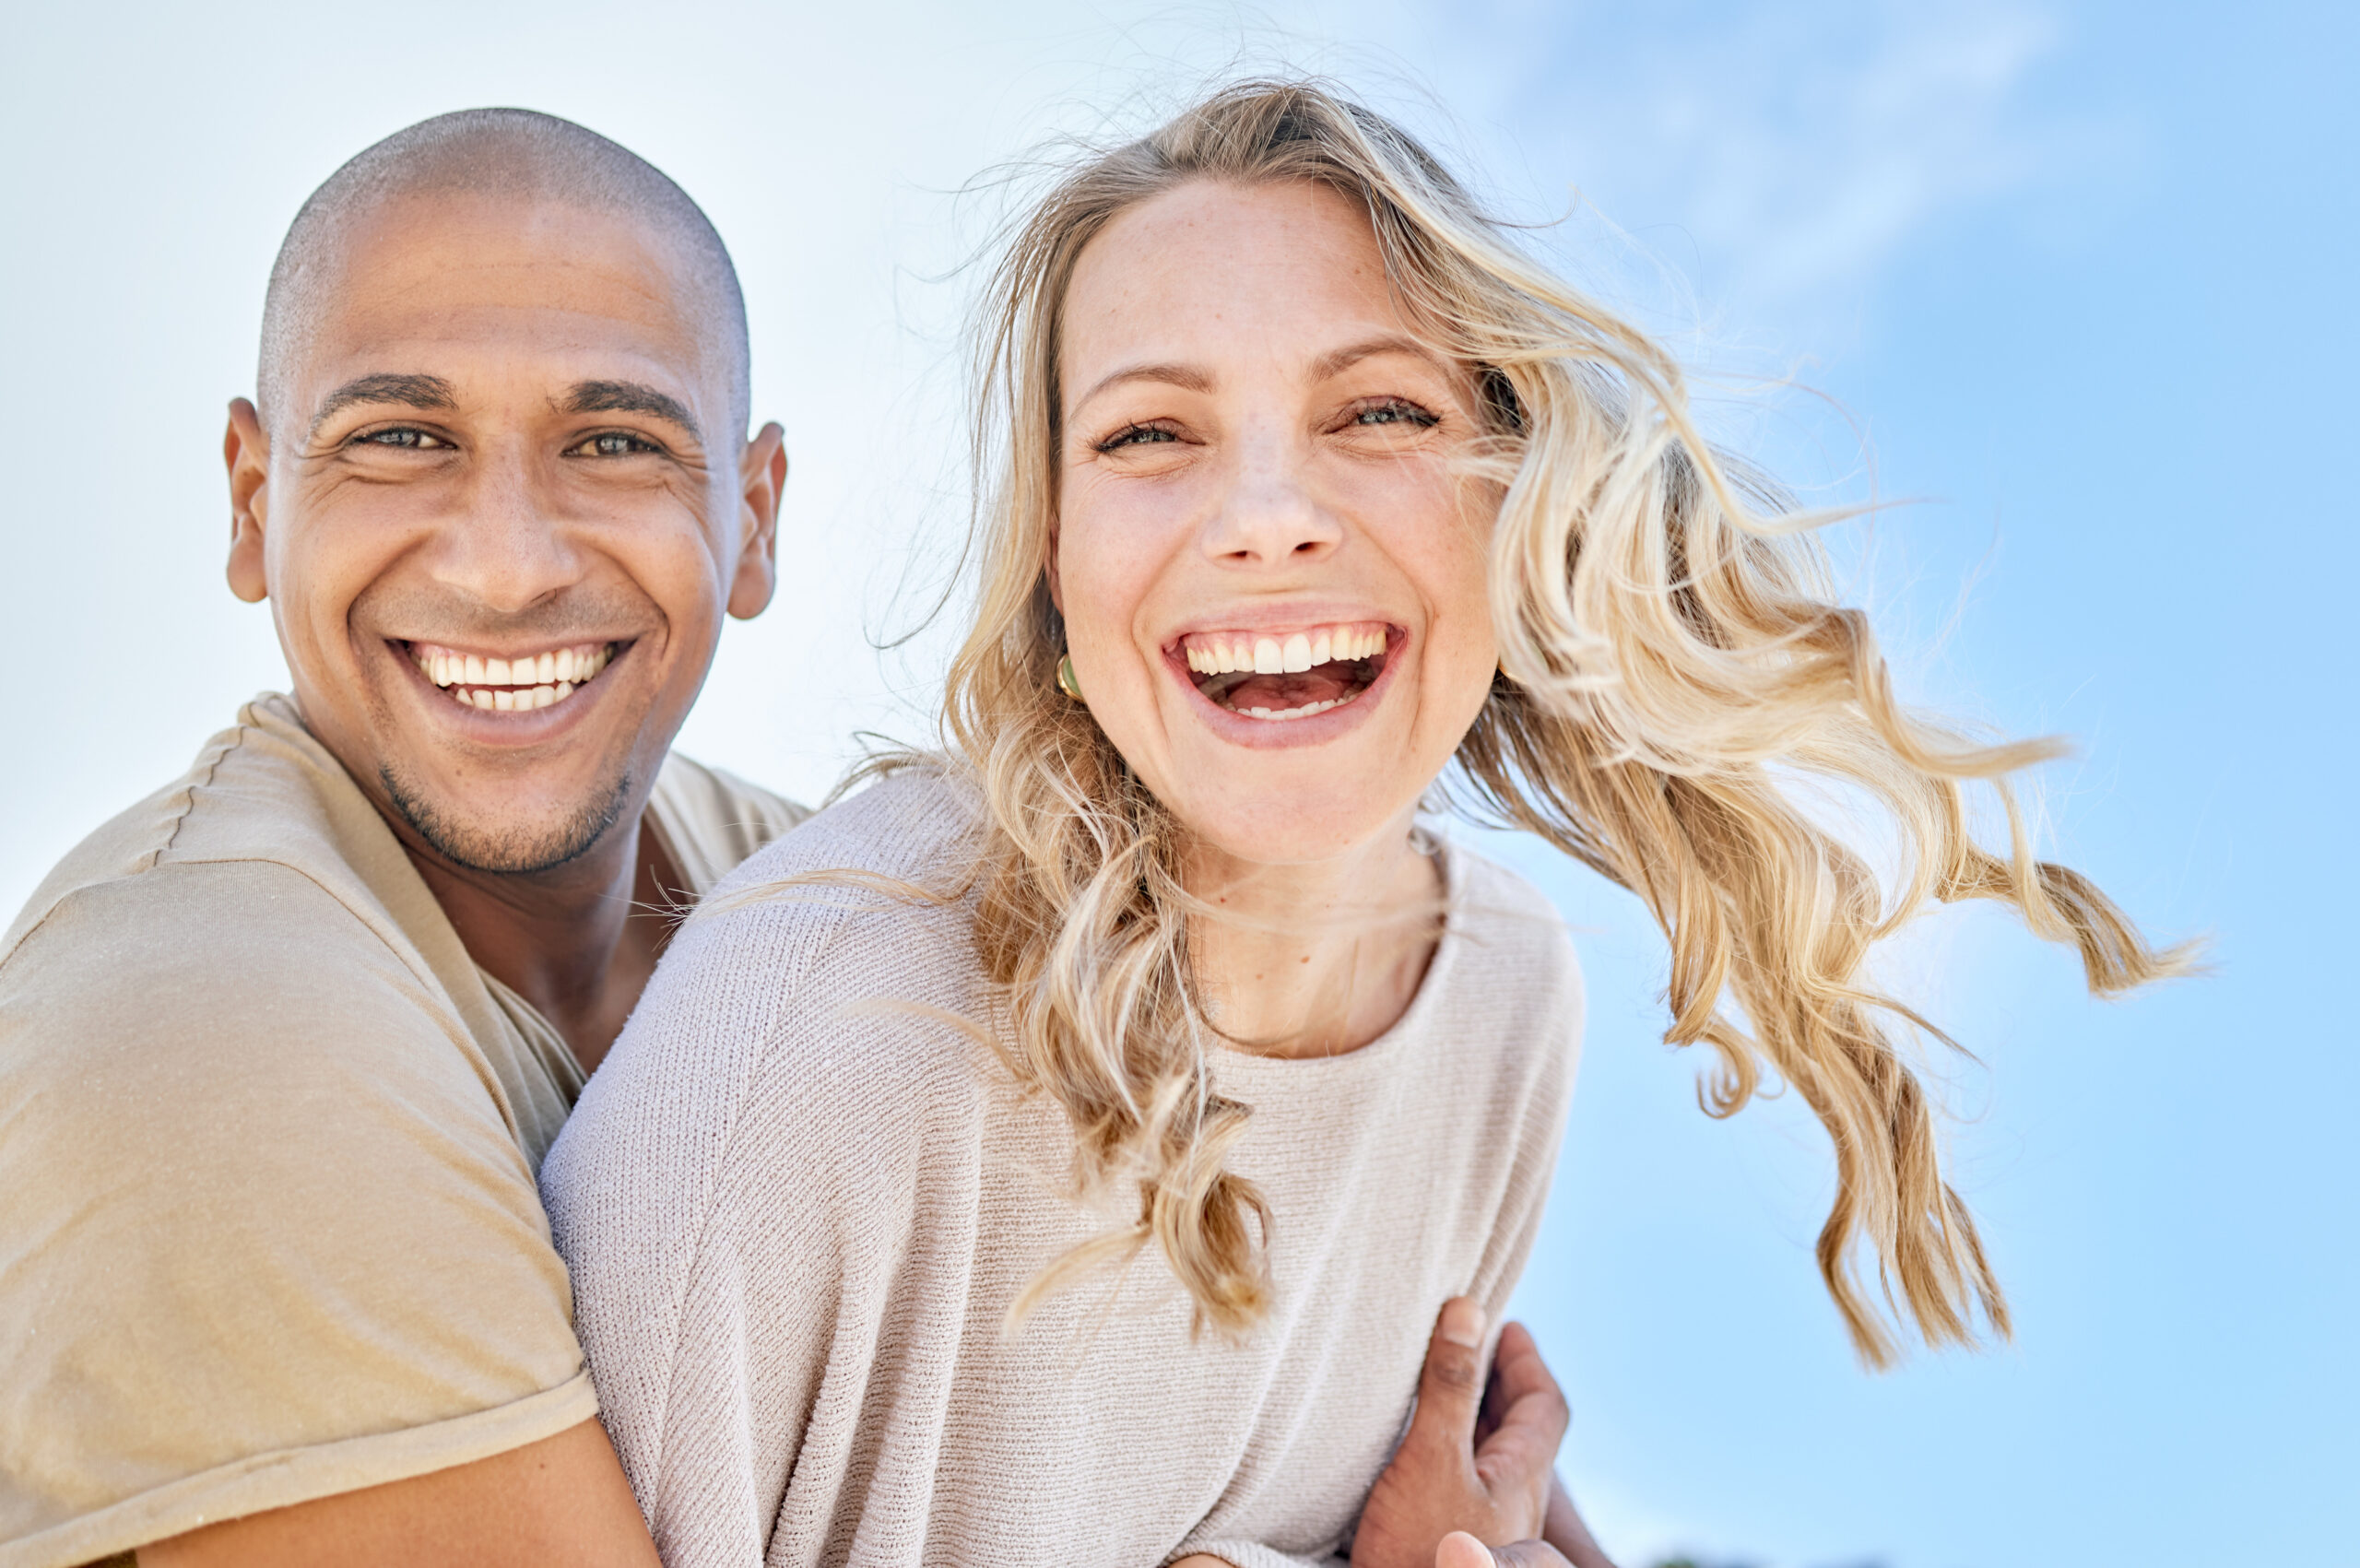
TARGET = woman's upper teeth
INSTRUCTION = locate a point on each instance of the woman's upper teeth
(1280, 653)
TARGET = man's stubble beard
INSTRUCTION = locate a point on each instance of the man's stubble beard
(505, 850)
(512, 853)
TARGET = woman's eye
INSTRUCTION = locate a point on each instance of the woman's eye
(1396, 412)
(1137, 435)
(616, 444)
(402, 437)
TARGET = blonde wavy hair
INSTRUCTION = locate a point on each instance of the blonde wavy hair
(1670, 651)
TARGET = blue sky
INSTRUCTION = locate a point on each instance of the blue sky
(2080, 275)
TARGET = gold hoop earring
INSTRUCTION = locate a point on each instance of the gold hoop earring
(1067, 682)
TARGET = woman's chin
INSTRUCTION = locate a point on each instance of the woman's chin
(1293, 826)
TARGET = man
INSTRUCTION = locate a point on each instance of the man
(281, 1046)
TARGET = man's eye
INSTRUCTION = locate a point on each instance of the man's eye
(404, 437)
(1137, 435)
(616, 444)
(1395, 411)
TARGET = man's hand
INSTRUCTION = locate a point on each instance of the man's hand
(1475, 1459)
(1564, 1543)
(1460, 1549)
(560, 1500)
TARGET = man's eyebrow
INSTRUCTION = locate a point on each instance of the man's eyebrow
(629, 397)
(407, 390)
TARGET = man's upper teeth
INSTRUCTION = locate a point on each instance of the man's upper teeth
(527, 682)
(1223, 653)
(576, 664)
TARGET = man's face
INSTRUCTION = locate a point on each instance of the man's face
(499, 509)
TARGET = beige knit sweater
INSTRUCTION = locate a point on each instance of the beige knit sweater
(795, 1219)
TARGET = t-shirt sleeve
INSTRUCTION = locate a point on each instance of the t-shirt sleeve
(267, 1236)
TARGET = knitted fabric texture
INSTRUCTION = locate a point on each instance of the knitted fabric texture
(797, 1208)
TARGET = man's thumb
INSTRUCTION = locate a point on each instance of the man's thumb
(1460, 1549)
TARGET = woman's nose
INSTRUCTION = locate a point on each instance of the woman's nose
(1267, 514)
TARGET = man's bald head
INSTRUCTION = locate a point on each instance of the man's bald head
(511, 155)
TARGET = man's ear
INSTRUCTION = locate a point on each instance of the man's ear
(247, 451)
(761, 477)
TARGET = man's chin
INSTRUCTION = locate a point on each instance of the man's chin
(508, 849)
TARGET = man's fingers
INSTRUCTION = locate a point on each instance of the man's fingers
(1519, 1369)
(1532, 1413)
(1460, 1549)
(1451, 1386)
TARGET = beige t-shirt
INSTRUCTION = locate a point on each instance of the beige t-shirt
(798, 1206)
(268, 1138)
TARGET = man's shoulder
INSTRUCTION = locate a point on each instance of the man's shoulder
(235, 981)
(261, 791)
(237, 918)
(712, 820)
(271, 1232)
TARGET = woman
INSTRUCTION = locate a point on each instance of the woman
(1058, 1151)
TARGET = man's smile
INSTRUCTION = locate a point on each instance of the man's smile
(517, 683)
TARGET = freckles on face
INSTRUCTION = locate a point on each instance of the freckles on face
(498, 540)
(1271, 571)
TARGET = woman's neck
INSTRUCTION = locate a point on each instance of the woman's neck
(1315, 960)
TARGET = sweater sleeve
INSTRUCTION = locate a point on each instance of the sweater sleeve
(1253, 1554)
(1534, 1099)
(739, 1213)
(635, 1192)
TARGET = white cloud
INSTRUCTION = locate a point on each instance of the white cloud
(1778, 154)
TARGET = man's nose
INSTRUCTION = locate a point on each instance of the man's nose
(1267, 514)
(506, 545)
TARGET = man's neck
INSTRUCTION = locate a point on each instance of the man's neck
(580, 942)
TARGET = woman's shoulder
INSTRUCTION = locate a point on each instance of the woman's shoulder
(864, 900)
(1507, 999)
(826, 979)
(1510, 923)
(915, 824)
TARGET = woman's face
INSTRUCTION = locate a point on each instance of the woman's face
(1272, 581)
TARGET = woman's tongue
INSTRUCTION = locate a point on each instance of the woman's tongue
(1329, 682)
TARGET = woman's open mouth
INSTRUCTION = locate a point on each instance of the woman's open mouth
(518, 684)
(1286, 675)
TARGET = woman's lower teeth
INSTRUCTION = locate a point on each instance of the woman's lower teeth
(1303, 713)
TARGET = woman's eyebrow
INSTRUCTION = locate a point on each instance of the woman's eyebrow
(1186, 377)
(1337, 362)
(1334, 362)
